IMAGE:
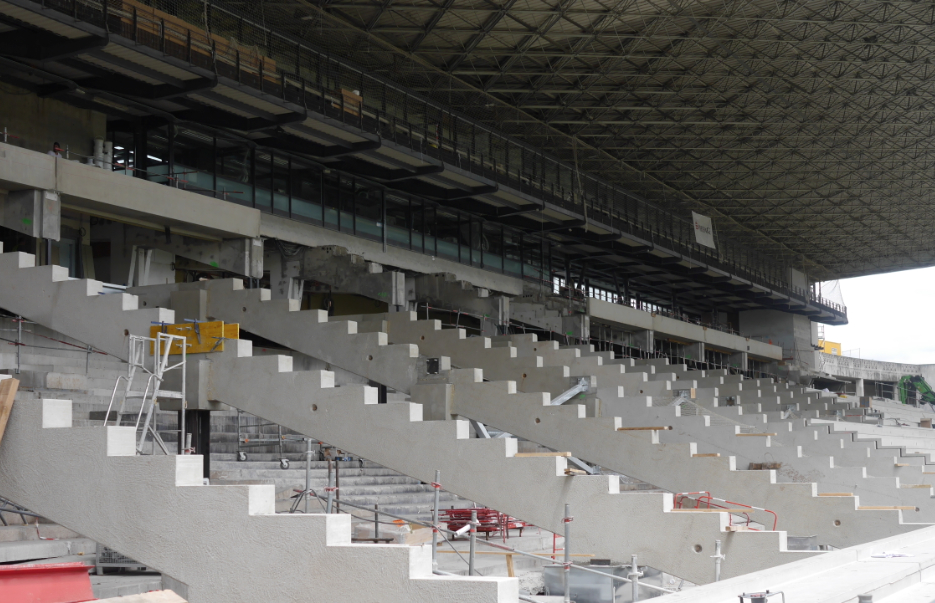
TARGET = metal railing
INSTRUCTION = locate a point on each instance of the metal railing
(305, 78)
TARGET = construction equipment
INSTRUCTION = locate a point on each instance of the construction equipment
(153, 366)
(917, 383)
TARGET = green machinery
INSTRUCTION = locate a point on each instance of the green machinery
(910, 382)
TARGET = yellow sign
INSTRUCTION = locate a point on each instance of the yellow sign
(199, 337)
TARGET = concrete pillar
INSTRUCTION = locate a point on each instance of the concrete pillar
(793, 332)
(35, 213)
(642, 340)
(190, 304)
(693, 351)
(284, 279)
(859, 385)
(739, 360)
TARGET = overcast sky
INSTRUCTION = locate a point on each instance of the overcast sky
(891, 316)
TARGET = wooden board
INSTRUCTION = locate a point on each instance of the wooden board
(210, 332)
(8, 388)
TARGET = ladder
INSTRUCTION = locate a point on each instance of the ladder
(148, 358)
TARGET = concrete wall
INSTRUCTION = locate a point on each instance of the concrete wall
(38, 122)
(792, 332)
(873, 370)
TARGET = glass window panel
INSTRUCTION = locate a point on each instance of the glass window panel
(264, 181)
(306, 184)
(369, 213)
(397, 222)
(233, 168)
(447, 233)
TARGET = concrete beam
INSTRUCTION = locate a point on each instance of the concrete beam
(32, 212)
(346, 273)
(242, 256)
(284, 229)
(445, 291)
(106, 194)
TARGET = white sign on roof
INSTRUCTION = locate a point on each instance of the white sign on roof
(704, 231)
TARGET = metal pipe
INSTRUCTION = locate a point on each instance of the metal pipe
(718, 557)
(376, 523)
(19, 341)
(308, 470)
(567, 561)
(473, 542)
(634, 576)
(437, 485)
(330, 489)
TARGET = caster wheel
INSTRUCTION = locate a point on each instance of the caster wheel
(241, 456)
(283, 463)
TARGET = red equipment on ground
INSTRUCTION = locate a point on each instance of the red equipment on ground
(52, 583)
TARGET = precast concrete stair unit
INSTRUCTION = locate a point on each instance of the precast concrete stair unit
(488, 471)
(307, 331)
(221, 543)
(798, 459)
(523, 360)
(665, 539)
(47, 296)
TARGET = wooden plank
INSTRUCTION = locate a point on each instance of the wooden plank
(8, 388)
(535, 454)
(509, 566)
(710, 454)
(915, 486)
(662, 428)
(886, 508)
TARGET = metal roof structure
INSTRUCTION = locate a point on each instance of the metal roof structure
(257, 74)
(802, 127)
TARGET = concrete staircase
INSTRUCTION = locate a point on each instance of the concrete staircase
(476, 469)
(215, 543)
(395, 436)
(535, 367)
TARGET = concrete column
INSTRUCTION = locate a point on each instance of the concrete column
(693, 351)
(35, 213)
(859, 384)
(739, 360)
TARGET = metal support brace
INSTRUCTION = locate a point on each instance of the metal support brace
(480, 429)
(582, 465)
(581, 387)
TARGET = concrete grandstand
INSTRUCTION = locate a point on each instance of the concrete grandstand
(293, 289)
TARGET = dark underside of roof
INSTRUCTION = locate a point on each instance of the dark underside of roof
(803, 127)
